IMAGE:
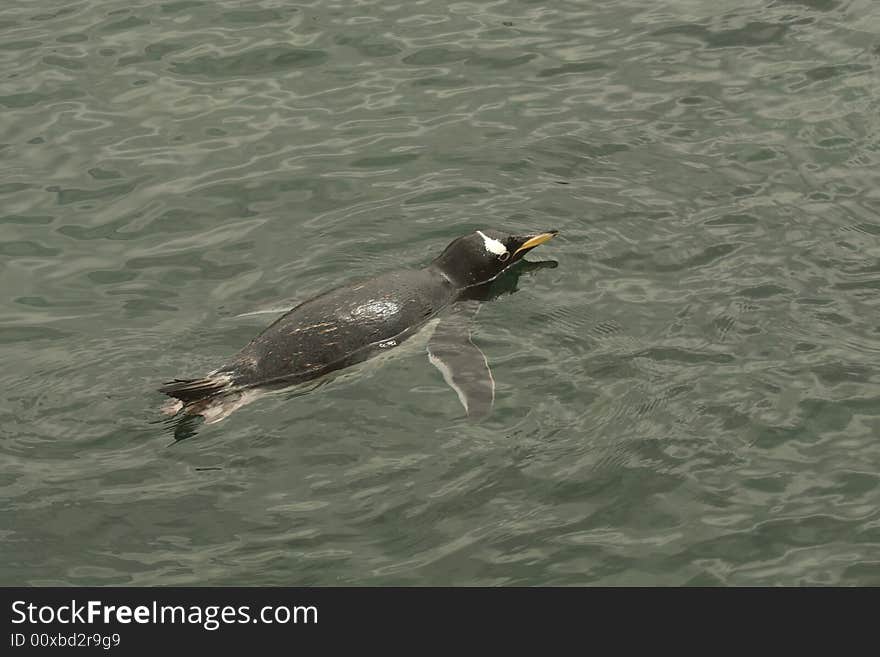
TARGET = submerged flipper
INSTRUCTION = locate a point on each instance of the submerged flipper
(460, 361)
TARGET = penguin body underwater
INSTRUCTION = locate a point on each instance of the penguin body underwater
(352, 323)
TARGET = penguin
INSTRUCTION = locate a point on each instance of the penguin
(352, 323)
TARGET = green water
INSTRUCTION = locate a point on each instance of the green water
(692, 396)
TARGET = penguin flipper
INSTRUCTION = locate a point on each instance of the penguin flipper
(463, 366)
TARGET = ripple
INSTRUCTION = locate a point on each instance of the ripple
(26, 248)
(257, 61)
(755, 33)
(577, 67)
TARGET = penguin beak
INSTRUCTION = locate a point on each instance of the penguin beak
(531, 241)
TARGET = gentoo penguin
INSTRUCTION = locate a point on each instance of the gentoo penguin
(351, 323)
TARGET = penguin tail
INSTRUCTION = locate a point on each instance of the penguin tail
(190, 391)
(214, 397)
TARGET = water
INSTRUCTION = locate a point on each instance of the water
(692, 396)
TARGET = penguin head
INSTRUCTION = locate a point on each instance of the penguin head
(484, 254)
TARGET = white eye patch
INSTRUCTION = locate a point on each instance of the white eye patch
(492, 245)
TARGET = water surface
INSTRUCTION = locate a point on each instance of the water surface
(692, 396)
